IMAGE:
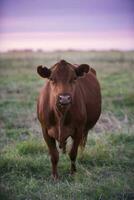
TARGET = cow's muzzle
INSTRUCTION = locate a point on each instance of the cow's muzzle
(64, 99)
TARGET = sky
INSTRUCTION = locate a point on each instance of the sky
(66, 24)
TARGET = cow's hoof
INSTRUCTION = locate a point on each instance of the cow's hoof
(55, 177)
(73, 172)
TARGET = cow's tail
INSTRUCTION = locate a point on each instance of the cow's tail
(83, 143)
(63, 147)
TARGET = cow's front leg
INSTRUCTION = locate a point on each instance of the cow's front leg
(54, 154)
(73, 152)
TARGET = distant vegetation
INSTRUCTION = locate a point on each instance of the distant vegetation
(105, 169)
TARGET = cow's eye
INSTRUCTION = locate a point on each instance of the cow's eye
(73, 80)
(52, 80)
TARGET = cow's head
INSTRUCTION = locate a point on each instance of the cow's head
(63, 79)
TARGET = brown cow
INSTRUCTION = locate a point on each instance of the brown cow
(69, 105)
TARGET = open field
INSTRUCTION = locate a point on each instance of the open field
(105, 169)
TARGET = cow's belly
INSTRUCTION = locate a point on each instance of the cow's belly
(93, 114)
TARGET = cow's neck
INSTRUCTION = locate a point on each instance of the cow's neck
(63, 117)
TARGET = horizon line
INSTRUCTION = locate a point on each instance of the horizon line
(72, 40)
(63, 49)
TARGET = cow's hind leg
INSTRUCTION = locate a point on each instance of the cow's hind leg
(54, 154)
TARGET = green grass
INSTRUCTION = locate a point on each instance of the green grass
(105, 168)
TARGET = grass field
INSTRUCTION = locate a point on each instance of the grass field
(105, 169)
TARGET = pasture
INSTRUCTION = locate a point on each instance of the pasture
(105, 169)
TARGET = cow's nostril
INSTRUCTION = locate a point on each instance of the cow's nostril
(64, 99)
(69, 98)
(60, 98)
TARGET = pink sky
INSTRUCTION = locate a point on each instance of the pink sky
(62, 41)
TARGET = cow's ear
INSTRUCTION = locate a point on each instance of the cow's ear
(43, 71)
(81, 69)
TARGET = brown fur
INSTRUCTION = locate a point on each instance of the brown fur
(75, 119)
